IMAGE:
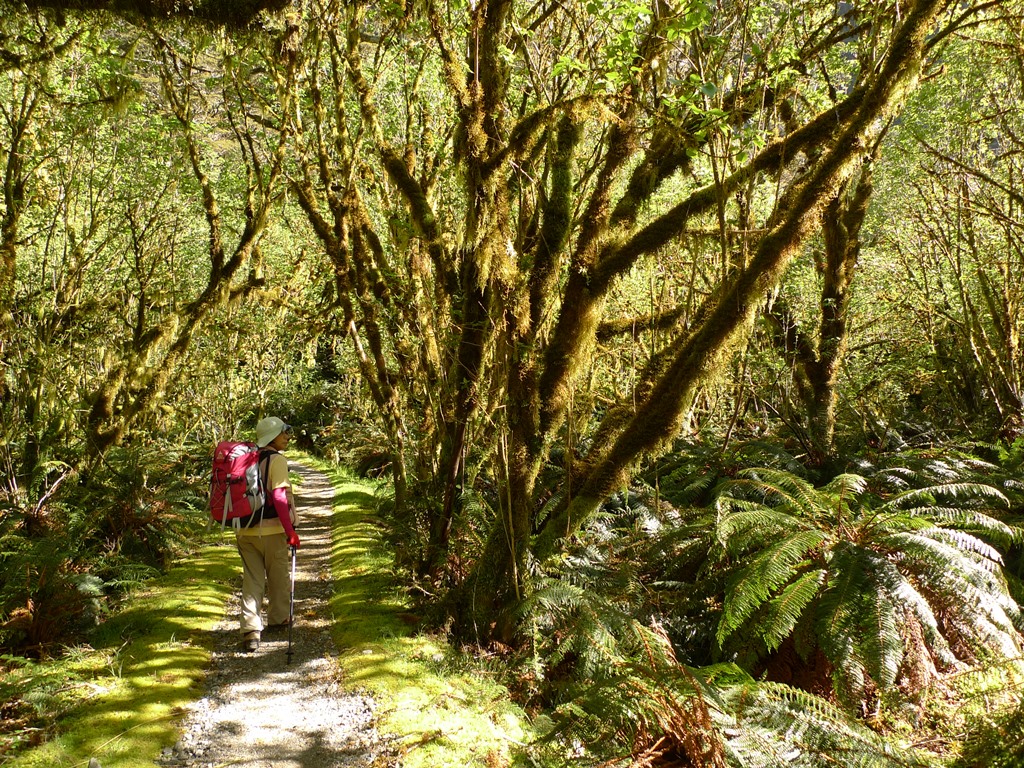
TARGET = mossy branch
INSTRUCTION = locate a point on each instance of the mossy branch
(730, 311)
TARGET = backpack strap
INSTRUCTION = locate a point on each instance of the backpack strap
(263, 478)
(264, 459)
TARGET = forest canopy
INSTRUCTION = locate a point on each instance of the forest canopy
(687, 325)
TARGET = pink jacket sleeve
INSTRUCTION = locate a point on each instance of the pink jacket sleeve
(280, 498)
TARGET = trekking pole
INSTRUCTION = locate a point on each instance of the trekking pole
(291, 609)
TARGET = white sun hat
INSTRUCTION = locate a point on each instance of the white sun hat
(268, 429)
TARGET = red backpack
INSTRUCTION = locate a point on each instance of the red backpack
(237, 487)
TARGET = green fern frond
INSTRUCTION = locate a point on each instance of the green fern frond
(726, 505)
(904, 595)
(974, 597)
(898, 477)
(776, 725)
(932, 495)
(992, 632)
(968, 592)
(991, 558)
(765, 573)
(917, 606)
(783, 612)
(846, 485)
(558, 595)
(934, 555)
(763, 523)
(926, 469)
(849, 674)
(774, 488)
(837, 613)
(474, 504)
(684, 489)
(881, 640)
(968, 519)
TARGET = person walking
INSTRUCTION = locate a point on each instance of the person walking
(264, 544)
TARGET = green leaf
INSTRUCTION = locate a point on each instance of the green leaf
(784, 611)
(765, 573)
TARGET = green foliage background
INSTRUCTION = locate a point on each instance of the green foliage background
(202, 226)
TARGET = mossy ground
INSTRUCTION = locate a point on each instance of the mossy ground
(439, 714)
(119, 699)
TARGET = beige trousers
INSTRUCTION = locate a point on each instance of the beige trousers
(266, 569)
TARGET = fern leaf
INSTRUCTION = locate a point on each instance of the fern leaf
(765, 573)
(762, 522)
(784, 611)
(968, 519)
(925, 551)
(846, 485)
(968, 543)
(777, 488)
(915, 603)
(881, 640)
(776, 725)
(837, 611)
(952, 491)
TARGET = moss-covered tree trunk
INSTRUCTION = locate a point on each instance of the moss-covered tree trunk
(15, 194)
(138, 382)
(507, 237)
(817, 361)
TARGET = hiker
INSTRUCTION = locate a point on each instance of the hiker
(264, 546)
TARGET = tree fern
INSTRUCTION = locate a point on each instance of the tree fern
(846, 486)
(776, 725)
(865, 571)
(648, 708)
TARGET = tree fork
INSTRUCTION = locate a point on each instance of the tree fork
(657, 418)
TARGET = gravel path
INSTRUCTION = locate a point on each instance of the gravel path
(259, 711)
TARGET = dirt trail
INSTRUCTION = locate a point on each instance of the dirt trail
(260, 711)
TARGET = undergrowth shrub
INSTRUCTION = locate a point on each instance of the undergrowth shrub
(778, 726)
(27, 695)
(608, 631)
(92, 540)
(996, 740)
(669, 602)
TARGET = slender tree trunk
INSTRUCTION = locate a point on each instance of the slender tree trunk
(15, 187)
(817, 362)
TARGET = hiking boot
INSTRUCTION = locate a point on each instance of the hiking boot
(251, 642)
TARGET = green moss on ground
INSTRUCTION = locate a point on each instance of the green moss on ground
(118, 700)
(439, 714)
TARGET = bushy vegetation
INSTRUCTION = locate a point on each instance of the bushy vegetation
(727, 613)
(687, 337)
(128, 517)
